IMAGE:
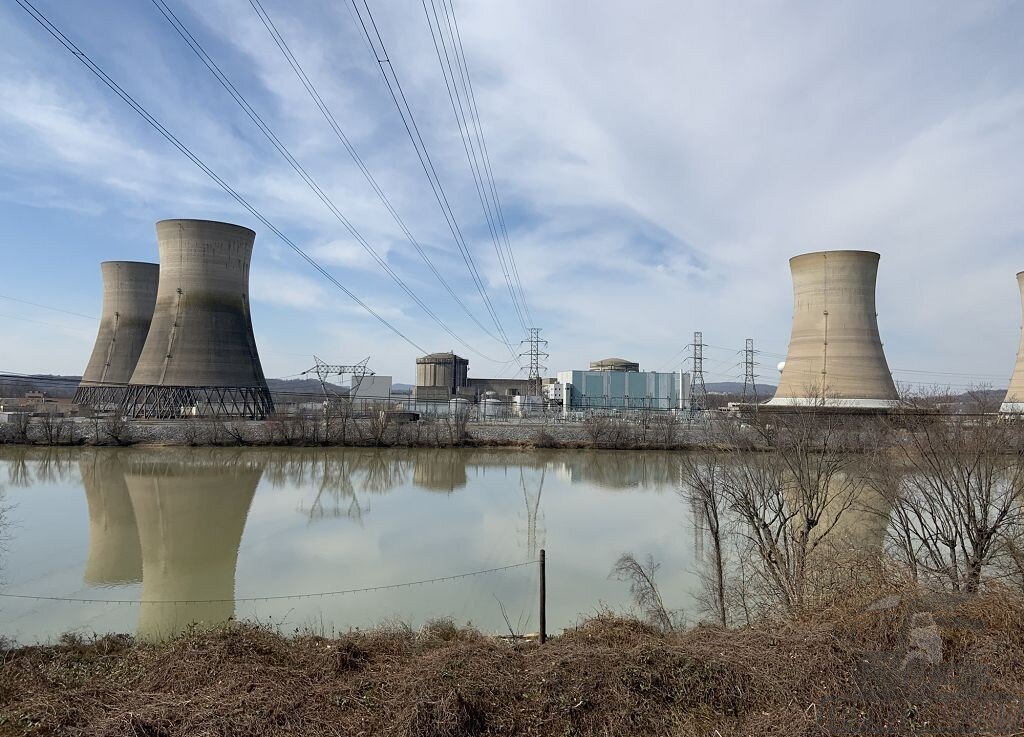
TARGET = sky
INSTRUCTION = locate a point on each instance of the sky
(658, 163)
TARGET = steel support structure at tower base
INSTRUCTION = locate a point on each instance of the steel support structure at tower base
(149, 401)
(105, 398)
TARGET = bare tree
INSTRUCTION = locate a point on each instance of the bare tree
(644, 589)
(956, 485)
(702, 474)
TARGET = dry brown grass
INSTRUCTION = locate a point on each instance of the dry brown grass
(608, 677)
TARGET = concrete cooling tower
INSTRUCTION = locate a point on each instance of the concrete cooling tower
(835, 355)
(190, 516)
(129, 295)
(1014, 400)
(200, 356)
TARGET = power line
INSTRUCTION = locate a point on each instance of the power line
(474, 152)
(268, 133)
(280, 597)
(47, 307)
(487, 162)
(394, 86)
(22, 318)
(328, 115)
(70, 46)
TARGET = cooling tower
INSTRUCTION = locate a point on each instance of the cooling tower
(191, 514)
(129, 294)
(200, 355)
(835, 355)
(114, 553)
(1014, 400)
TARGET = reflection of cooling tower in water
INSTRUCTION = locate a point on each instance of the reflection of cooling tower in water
(129, 295)
(114, 553)
(443, 470)
(190, 522)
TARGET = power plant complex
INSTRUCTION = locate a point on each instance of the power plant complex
(175, 340)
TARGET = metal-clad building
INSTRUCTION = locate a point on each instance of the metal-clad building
(604, 389)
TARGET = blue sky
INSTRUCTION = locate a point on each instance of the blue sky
(658, 164)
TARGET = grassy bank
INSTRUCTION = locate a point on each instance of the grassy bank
(834, 673)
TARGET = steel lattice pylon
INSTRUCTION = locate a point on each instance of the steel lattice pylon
(535, 345)
(698, 391)
(324, 371)
(749, 378)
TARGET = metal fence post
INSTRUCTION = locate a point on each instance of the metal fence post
(543, 601)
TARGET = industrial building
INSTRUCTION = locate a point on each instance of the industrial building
(1013, 402)
(129, 296)
(200, 357)
(835, 355)
(441, 377)
(619, 384)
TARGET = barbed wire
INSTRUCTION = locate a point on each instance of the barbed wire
(281, 597)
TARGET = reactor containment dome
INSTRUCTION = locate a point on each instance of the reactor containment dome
(835, 356)
(200, 356)
(129, 296)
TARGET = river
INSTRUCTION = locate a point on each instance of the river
(176, 535)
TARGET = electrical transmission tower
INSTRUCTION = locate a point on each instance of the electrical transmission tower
(698, 392)
(535, 345)
(749, 379)
(325, 370)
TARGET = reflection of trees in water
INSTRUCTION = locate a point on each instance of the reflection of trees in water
(49, 465)
(624, 469)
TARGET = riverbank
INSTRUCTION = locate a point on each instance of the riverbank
(901, 666)
(659, 433)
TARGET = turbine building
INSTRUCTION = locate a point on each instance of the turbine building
(835, 355)
(200, 356)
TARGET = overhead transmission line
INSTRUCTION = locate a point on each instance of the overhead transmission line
(412, 129)
(328, 115)
(281, 148)
(47, 307)
(470, 128)
(73, 49)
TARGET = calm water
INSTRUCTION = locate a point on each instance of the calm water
(220, 524)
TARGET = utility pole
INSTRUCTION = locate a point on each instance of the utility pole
(698, 392)
(535, 345)
(749, 380)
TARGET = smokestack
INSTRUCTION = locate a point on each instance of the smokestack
(200, 356)
(1014, 400)
(129, 294)
(835, 355)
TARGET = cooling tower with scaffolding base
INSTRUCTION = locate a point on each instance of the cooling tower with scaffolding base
(835, 356)
(200, 357)
(1013, 403)
(129, 295)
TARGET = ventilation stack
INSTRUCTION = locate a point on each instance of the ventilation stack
(129, 294)
(835, 356)
(1014, 400)
(200, 356)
